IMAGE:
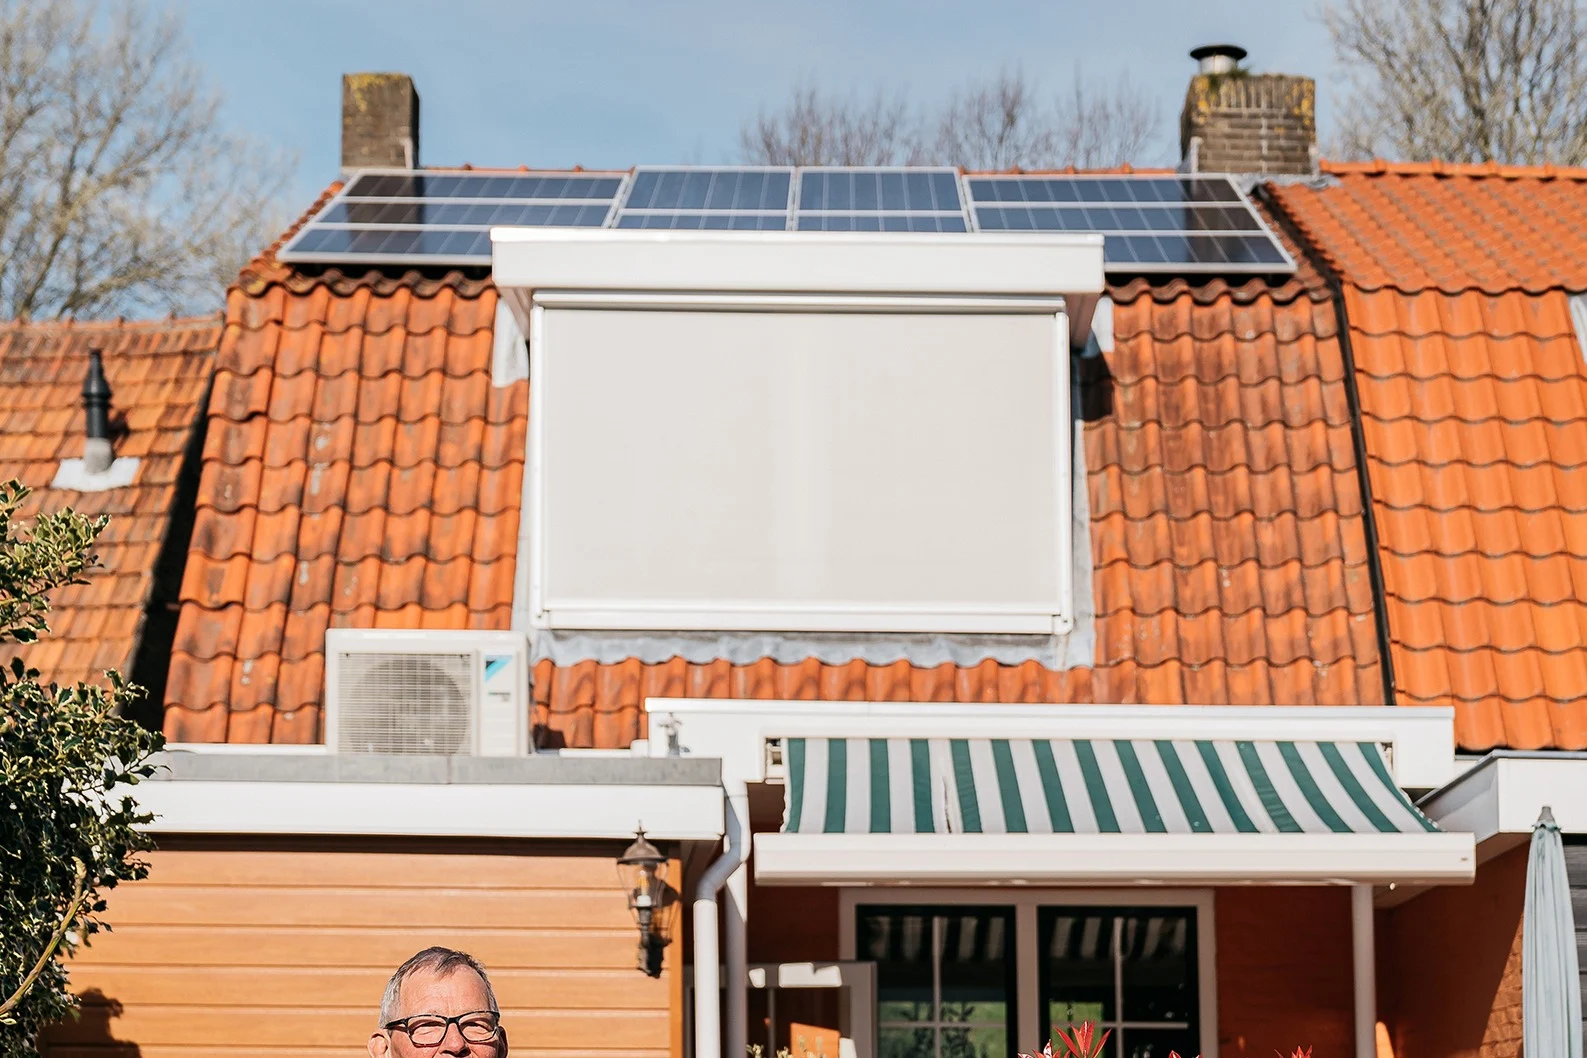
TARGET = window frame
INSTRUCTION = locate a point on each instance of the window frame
(662, 615)
(1027, 958)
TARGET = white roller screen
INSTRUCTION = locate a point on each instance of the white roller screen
(802, 470)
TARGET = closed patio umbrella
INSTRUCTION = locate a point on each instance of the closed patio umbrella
(1550, 984)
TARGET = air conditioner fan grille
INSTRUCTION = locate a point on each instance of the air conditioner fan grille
(405, 703)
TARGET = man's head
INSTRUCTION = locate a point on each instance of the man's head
(427, 1006)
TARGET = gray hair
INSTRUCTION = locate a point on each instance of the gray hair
(439, 961)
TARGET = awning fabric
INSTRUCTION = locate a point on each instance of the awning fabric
(1062, 786)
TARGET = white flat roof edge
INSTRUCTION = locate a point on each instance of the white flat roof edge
(813, 263)
(1114, 859)
(1504, 792)
(695, 236)
(1297, 713)
(734, 730)
(478, 810)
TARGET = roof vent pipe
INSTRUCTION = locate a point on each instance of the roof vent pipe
(1217, 58)
(96, 406)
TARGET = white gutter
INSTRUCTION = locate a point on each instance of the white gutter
(1499, 798)
(707, 985)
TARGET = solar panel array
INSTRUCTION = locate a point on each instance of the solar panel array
(1159, 223)
(445, 218)
(732, 199)
(880, 200)
(1169, 221)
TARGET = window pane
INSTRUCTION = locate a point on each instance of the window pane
(1159, 976)
(1094, 959)
(900, 944)
(1062, 1012)
(904, 1043)
(975, 961)
(975, 1043)
(949, 970)
(1077, 948)
(902, 1010)
(1159, 1043)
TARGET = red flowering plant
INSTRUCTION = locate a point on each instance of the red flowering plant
(1082, 1041)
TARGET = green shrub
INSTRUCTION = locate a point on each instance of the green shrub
(67, 755)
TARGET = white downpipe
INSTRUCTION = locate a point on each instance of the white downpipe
(736, 945)
(707, 950)
(1364, 955)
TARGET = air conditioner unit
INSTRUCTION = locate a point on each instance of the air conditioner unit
(446, 693)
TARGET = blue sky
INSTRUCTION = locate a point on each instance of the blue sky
(620, 83)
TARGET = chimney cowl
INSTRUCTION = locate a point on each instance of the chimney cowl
(96, 407)
(1217, 58)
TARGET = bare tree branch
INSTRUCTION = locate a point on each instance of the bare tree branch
(1463, 80)
(1101, 125)
(819, 129)
(1001, 123)
(997, 124)
(119, 190)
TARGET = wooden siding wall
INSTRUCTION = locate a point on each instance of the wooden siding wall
(283, 950)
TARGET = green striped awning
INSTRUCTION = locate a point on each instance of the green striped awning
(1080, 786)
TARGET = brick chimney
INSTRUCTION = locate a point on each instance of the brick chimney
(1235, 121)
(380, 121)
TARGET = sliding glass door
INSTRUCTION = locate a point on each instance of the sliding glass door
(947, 976)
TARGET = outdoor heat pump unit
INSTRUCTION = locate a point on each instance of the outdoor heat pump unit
(438, 693)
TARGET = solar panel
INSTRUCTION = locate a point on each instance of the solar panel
(1148, 223)
(880, 200)
(738, 199)
(445, 217)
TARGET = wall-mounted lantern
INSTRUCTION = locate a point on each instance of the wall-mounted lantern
(643, 870)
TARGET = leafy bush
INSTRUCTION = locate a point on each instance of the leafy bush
(67, 827)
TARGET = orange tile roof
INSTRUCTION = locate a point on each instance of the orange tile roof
(362, 470)
(159, 373)
(1473, 399)
(1429, 226)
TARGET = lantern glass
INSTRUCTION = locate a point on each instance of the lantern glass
(643, 871)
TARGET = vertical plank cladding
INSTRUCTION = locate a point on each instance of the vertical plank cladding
(284, 949)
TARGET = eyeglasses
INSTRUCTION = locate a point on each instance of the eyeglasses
(428, 1030)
